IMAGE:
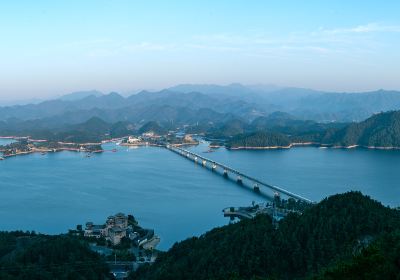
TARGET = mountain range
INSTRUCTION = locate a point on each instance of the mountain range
(194, 103)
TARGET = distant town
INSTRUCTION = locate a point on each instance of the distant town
(27, 145)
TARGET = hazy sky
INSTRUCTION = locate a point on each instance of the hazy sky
(53, 47)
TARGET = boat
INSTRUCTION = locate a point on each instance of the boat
(114, 150)
(88, 155)
(1, 158)
(42, 153)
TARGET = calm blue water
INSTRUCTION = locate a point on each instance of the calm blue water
(316, 173)
(51, 193)
(6, 141)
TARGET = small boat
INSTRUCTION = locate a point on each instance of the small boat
(42, 153)
(88, 155)
(1, 158)
(114, 150)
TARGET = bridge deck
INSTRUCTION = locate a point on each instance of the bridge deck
(184, 152)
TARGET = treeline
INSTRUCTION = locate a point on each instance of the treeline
(259, 139)
(94, 130)
(380, 130)
(380, 260)
(277, 129)
(25, 255)
(335, 234)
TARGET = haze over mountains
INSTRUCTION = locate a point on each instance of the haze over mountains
(184, 104)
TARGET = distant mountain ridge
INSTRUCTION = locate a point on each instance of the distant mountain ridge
(80, 95)
(188, 104)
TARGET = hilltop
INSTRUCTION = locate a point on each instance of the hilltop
(338, 229)
(379, 131)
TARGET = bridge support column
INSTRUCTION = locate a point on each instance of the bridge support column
(239, 180)
(195, 159)
(204, 163)
(225, 173)
(214, 166)
(256, 188)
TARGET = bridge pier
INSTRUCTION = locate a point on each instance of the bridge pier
(239, 176)
(256, 188)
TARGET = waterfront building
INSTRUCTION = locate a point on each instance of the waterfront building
(115, 228)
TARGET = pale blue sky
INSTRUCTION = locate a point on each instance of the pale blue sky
(53, 47)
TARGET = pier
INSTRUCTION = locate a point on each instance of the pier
(228, 172)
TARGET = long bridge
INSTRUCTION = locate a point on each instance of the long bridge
(228, 170)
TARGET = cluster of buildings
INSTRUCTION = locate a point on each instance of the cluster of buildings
(118, 227)
(150, 138)
(144, 139)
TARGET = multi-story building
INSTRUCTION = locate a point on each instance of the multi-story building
(115, 228)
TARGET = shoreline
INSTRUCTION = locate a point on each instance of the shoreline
(45, 150)
(331, 146)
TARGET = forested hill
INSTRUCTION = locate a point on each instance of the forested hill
(326, 235)
(25, 255)
(380, 130)
(259, 140)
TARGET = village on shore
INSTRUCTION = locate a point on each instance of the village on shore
(26, 145)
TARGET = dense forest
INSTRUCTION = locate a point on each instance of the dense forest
(380, 260)
(333, 238)
(25, 255)
(92, 130)
(259, 139)
(380, 130)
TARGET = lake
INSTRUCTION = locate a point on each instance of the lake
(52, 193)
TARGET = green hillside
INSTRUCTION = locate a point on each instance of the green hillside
(259, 139)
(303, 246)
(31, 256)
(380, 130)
